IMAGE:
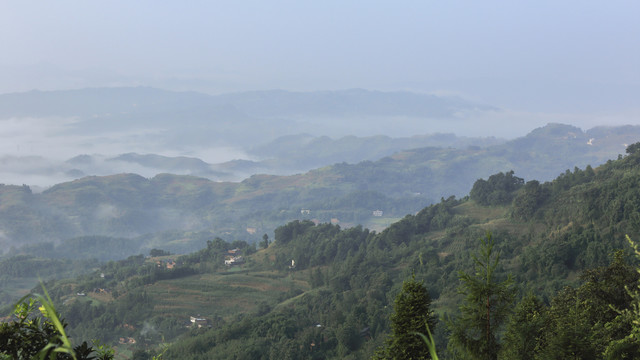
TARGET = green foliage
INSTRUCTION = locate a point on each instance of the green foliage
(633, 148)
(583, 323)
(529, 200)
(627, 347)
(486, 307)
(412, 316)
(42, 335)
(499, 189)
(265, 241)
(288, 232)
(525, 330)
(158, 252)
(431, 344)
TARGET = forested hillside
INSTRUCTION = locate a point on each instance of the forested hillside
(322, 291)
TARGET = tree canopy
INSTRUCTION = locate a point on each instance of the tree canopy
(412, 316)
(486, 307)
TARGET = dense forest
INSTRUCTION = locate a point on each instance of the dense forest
(551, 258)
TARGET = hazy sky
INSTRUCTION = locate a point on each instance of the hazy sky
(550, 56)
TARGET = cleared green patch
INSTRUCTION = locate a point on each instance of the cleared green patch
(221, 295)
(378, 224)
(480, 213)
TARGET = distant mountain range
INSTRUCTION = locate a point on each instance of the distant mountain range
(222, 137)
(283, 156)
(256, 104)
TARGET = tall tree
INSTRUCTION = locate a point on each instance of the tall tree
(629, 346)
(487, 305)
(524, 336)
(412, 316)
(265, 241)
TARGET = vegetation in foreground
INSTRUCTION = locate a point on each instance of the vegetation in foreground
(41, 334)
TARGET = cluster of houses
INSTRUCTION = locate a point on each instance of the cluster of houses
(95, 290)
(127, 340)
(335, 221)
(169, 263)
(233, 257)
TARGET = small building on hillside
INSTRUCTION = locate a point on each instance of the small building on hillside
(198, 321)
(234, 260)
(127, 340)
(377, 213)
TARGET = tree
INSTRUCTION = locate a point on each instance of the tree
(487, 305)
(586, 322)
(497, 190)
(412, 316)
(158, 252)
(265, 241)
(570, 334)
(525, 331)
(527, 202)
(633, 148)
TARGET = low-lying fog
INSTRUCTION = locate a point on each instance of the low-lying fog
(41, 151)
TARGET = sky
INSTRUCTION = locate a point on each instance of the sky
(566, 58)
(569, 61)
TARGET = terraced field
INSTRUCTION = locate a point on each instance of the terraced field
(223, 295)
